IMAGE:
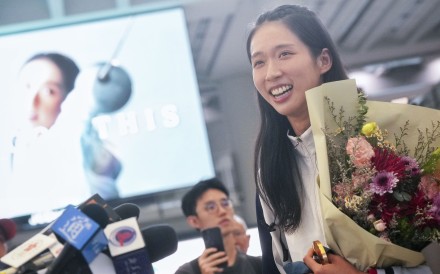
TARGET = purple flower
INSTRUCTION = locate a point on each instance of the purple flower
(435, 209)
(383, 182)
(411, 165)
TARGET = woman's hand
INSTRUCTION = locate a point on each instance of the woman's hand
(210, 259)
(337, 264)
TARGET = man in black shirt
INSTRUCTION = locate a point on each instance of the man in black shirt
(208, 205)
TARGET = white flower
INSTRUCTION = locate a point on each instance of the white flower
(380, 225)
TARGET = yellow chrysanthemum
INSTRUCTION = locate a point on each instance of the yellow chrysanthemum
(369, 129)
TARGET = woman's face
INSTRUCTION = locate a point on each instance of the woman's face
(42, 82)
(283, 68)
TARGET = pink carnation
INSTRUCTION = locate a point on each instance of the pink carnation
(360, 180)
(360, 151)
(429, 186)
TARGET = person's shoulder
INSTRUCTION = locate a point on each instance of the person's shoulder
(191, 267)
(255, 261)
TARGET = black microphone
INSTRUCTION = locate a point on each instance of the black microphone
(84, 237)
(127, 247)
(77, 265)
(124, 211)
(127, 210)
(160, 241)
(113, 216)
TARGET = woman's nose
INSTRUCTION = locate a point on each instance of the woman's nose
(273, 71)
(35, 98)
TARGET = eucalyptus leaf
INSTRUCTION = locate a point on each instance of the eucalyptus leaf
(399, 196)
(406, 196)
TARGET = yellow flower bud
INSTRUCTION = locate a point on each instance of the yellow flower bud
(369, 129)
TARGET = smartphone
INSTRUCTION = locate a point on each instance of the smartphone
(213, 238)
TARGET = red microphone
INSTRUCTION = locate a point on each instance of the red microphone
(8, 229)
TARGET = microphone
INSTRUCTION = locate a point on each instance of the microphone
(83, 235)
(127, 210)
(45, 259)
(127, 247)
(113, 216)
(8, 229)
(160, 241)
(28, 250)
(40, 262)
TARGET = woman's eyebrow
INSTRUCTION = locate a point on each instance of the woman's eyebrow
(277, 47)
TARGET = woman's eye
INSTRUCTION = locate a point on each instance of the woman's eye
(47, 91)
(50, 91)
(257, 63)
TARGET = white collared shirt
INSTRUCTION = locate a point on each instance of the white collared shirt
(311, 228)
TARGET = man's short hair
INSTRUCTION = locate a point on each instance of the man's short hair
(189, 200)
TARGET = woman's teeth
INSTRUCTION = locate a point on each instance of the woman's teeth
(281, 90)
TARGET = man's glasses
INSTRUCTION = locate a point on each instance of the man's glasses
(212, 207)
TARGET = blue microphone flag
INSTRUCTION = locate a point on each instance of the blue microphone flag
(80, 231)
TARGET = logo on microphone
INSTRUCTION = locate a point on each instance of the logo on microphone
(122, 236)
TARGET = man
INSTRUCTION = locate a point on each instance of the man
(208, 205)
(8, 230)
(241, 238)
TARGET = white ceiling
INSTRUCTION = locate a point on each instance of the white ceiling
(366, 31)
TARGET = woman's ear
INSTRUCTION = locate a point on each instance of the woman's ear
(325, 61)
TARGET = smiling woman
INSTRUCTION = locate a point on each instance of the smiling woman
(291, 53)
(287, 54)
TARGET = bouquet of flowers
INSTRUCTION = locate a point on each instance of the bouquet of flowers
(379, 175)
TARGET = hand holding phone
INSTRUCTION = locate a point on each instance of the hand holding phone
(213, 238)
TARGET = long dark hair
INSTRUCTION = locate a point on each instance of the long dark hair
(276, 173)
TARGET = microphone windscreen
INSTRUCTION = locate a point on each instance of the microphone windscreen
(127, 210)
(8, 229)
(96, 213)
(160, 240)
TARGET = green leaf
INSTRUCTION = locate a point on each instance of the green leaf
(406, 196)
(398, 196)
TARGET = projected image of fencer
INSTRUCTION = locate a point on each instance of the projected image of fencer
(102, 89)
(56, 152)
(38, 163)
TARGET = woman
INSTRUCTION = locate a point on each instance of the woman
(47, 78)
(42, 156)
(291, 52)
(52, 153)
